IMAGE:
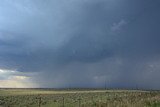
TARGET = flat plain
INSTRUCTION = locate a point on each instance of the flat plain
(78, 98)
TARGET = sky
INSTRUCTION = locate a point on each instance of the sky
(80, 43)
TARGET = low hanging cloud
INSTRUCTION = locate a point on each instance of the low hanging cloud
(79, 43)
(15, 79)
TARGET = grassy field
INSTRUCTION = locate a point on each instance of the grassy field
(78, 98)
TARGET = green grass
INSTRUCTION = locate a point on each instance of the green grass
(76, 98)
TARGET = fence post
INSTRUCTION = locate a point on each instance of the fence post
(39, 102)
(99, 103)
(63, 101)
(93, 103)
(79, 102)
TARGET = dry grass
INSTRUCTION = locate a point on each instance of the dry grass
(77, 98)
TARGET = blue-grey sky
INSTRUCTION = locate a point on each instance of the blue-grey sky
(80, 43)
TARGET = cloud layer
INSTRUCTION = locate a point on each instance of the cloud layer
(82, 43)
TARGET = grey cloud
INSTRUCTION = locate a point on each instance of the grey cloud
(81, 43)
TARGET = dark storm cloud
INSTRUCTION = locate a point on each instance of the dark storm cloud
(82, 43)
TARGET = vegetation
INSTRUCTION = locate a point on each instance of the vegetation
(75, 98)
